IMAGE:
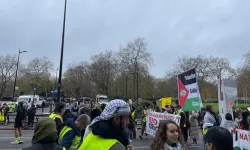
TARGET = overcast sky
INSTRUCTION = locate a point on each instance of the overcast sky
(171, 28)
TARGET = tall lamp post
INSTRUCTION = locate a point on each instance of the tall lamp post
(17, 65)
(61, 59)
(56, 78)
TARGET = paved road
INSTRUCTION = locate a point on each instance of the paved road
(6, 136)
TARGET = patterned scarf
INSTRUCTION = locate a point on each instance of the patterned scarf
(113, 109)
(177, 147)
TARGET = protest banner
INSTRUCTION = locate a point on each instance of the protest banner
(241, 139)
(166, 101)
(153, 119)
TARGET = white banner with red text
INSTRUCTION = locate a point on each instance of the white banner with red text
(241, 139)
(153, 119)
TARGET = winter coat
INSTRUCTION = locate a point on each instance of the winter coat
(227, 124)
(67, 139)
(194, 129)
(45, 136)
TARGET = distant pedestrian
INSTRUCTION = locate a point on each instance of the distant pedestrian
(19, 122)
(31, 115)
(194, 128)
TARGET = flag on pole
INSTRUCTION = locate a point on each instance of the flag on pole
(188, 91)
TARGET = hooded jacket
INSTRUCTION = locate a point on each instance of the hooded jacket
(70, 135)
(227, 124)
(45, 136)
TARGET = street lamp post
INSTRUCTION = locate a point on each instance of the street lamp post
(61, 59)
(17, 65)
(56, 78)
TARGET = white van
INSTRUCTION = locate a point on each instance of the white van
(28, 99)
(102, 99)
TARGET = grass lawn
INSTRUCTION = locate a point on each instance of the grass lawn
(216, 106)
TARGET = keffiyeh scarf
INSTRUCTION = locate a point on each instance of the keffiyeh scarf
(113, 109)
(177, 147)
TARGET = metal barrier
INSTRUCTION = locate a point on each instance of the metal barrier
(37, 117)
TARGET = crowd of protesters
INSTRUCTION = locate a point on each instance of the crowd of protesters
(112, 126)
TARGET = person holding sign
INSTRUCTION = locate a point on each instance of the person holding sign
(168, 137)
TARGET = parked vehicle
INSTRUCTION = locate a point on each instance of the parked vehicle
(30, 98)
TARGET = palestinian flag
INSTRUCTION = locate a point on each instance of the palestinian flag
(188, 91)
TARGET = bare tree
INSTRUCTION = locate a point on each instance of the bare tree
(76, 81)
(38, 68)
(135, 58)
(102, 70)
(7, 70)
(221, 68)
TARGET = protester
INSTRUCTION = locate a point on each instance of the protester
(93, 114)
(168, 137)
(75, 110)
(244, 123)
(103, 105)
(84, 110)
(1, 114)
(143, 128)
(70, 132)
(184, 122)
(210, 116)
(194, 128)
(218, 138)
(58, 113)
(169, 109)
(156, 108)
(19, 121)
(45, 136)
(109, 128)
(6, 113)
(238, 117)
(228, 123)
(31, 115)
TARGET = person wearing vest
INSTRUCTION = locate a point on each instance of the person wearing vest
(108, 129)
(184, 122)
(143, 128)
(70, 132)
(156, 108)
(45, 136)
(1, 114)
(58, 113)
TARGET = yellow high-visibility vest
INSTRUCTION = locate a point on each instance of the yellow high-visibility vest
(133, 115)
(144, 116)
(95, 142)
(2, 115)
(181, 111)
(75, 142)
(54, 116)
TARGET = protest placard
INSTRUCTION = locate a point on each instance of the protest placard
(153, 119)
(241, 139)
